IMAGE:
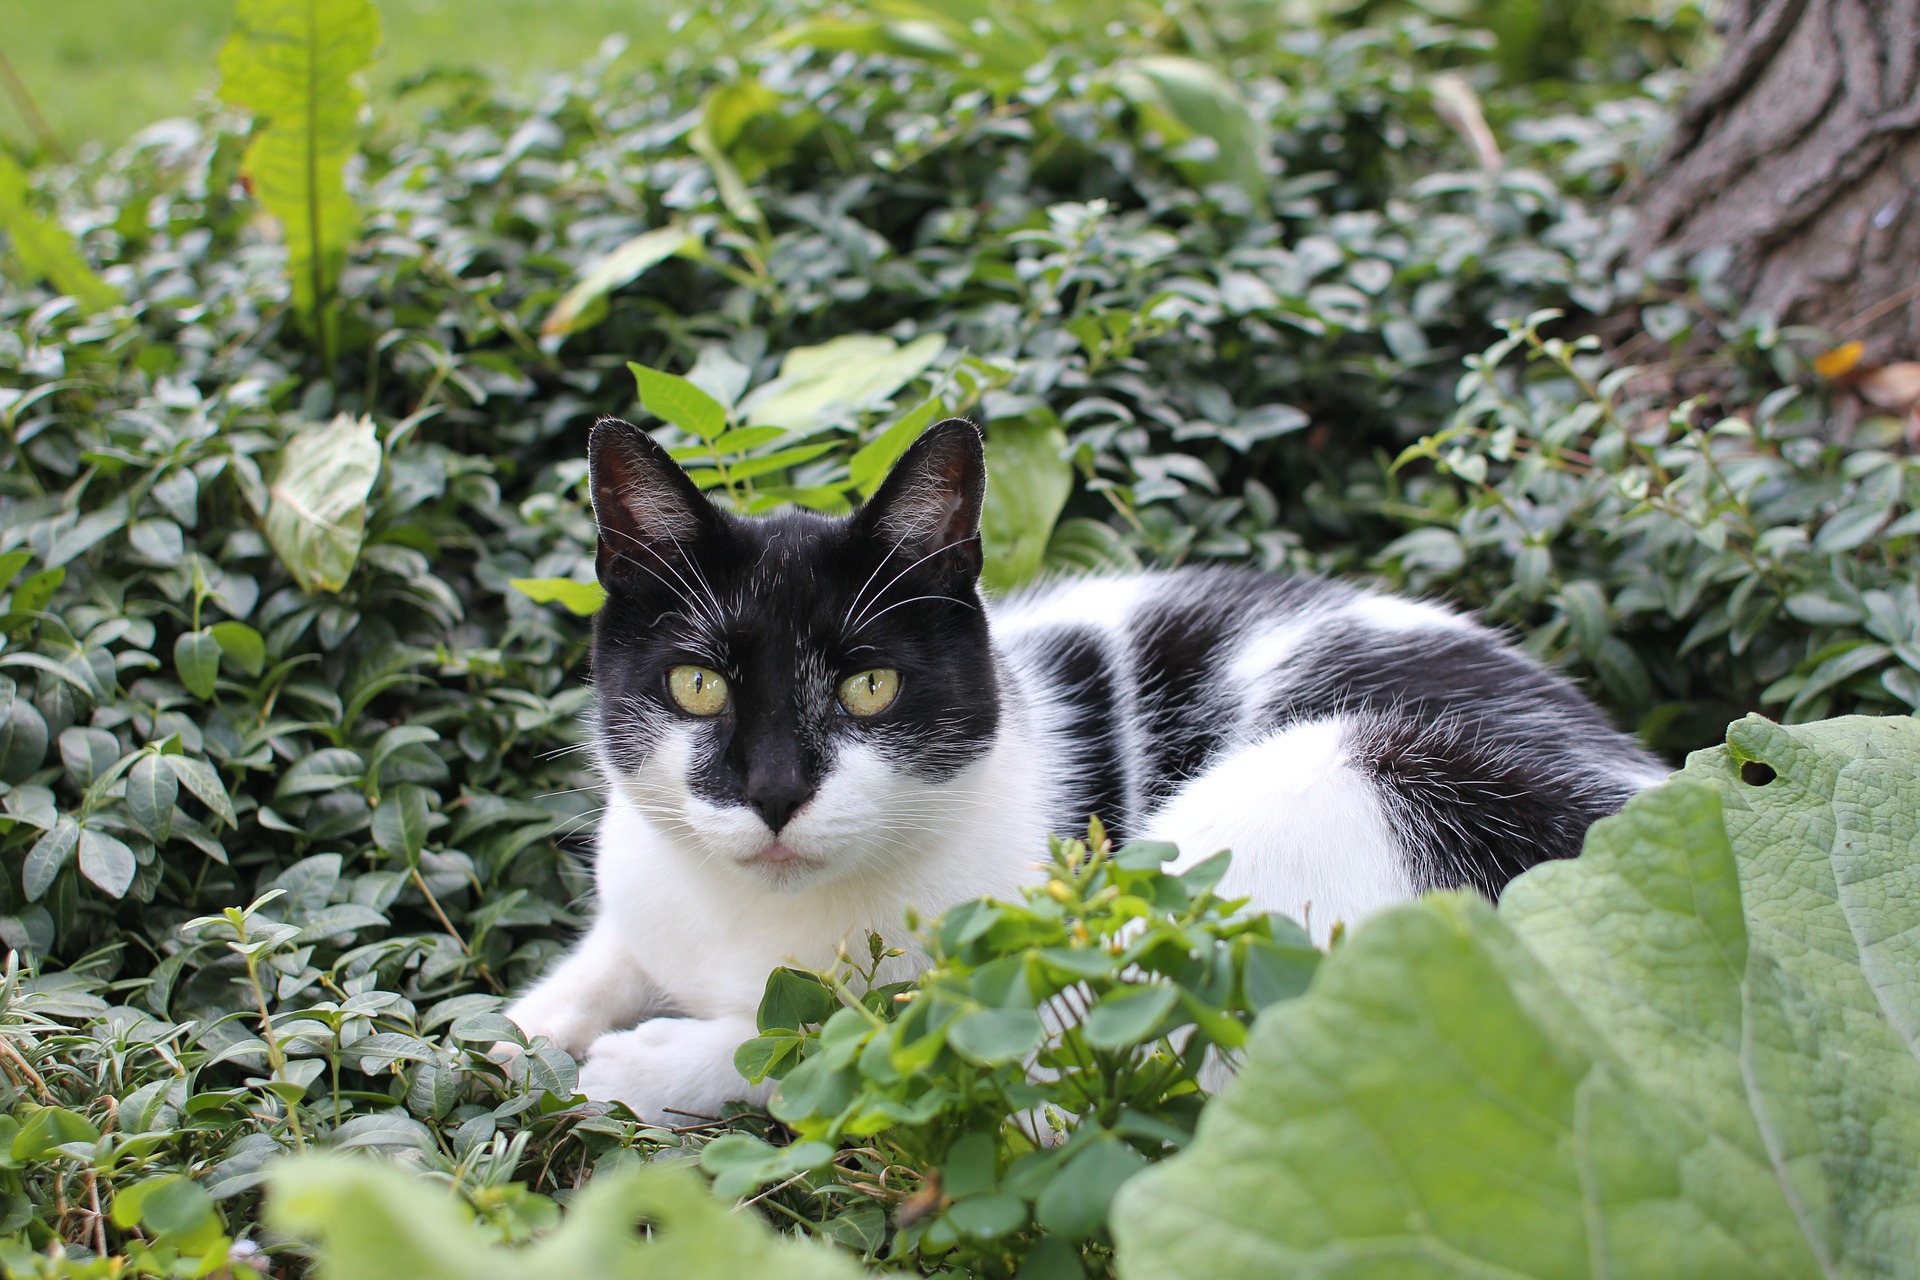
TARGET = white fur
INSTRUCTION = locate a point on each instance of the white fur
(1307, 832)
(686, 928)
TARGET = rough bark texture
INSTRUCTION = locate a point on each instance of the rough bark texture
(1799, 152)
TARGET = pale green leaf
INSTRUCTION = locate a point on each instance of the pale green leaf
(621, 267)
(851, 372)
(374, 1222)
(317, 514)
(42, 246)
(582, 598)
(292, 64)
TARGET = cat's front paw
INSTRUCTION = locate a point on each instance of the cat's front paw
(552, 1020)
(671, 1071)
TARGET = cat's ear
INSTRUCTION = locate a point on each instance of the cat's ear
(644, 504)
(929, 504)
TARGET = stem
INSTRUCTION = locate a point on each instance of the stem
(275, 1057)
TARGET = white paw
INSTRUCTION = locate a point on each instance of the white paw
(669, 1071)
(549, 1019)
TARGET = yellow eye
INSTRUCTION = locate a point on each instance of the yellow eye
(870, 692)
(699, 692)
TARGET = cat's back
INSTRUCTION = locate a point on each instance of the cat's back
(1142, 682)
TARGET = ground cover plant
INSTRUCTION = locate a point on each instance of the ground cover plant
(293, 790)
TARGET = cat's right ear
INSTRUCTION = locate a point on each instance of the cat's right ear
(645, 505)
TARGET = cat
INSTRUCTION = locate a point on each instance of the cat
(809, 724)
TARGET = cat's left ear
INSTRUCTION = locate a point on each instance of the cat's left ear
(645, 505)
(928, 507)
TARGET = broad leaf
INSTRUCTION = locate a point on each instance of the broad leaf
(1690, 1052)
(851, 372)
(292, 63)
(673, 399)
(378, 1223)
(621, 267)
(42, 246)
(1195, 103)
(1028, 482)
(318, 509)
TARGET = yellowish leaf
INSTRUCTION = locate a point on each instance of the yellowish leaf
(1840, 361)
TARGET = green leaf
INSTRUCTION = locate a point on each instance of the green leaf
(196, 659)
(868, 467)
(292, 64)
(851, 372)
(49, 1128)
(203, 781)
(373, 1222)
(989, 1036)
(1126, 1016)
(50, 853)
(1077, 1198)
(32, 595)
(674, 399)
(1690, 1052)
(794, 999)
(582, 598)
(106, 861)
(243, 644)
(741, 1163)
(621, 267)
(23, 739)
(317, 506)
(401, 823)
(1028, 482)
(43, 248)
(1184, 98)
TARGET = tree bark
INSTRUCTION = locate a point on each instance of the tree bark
(1798, 154)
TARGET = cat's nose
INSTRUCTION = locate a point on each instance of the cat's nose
(775, 799)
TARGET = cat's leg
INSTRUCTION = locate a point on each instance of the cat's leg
(1310, 835)
(672, 1070)
(596, 987)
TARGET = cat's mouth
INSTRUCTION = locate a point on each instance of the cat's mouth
(780, 862)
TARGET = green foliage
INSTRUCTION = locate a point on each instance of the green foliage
(1775, 563)
(376, 1223)
(1689, 1053)
(293, 790)
(291, 63)
(42, 248)
(1052, 1049)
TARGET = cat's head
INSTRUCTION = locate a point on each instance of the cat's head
(793, 695)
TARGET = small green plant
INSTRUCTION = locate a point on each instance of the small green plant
(1054, 1047)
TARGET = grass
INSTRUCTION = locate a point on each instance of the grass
(100, 70)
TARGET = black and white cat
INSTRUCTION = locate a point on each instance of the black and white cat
(808, 724)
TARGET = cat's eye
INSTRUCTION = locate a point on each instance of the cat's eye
(699, 690)
(870, 692)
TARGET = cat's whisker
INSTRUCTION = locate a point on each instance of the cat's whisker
(854, 626)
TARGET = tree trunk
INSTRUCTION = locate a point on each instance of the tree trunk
(1799, 154)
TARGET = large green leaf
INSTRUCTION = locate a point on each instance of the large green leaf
(852, 372)
(317, 513)
(291, 63)
(1689, 1053)
(1194, 103)
(376, 1223)
(621, 267)
(1028, 481)
(42, 246)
